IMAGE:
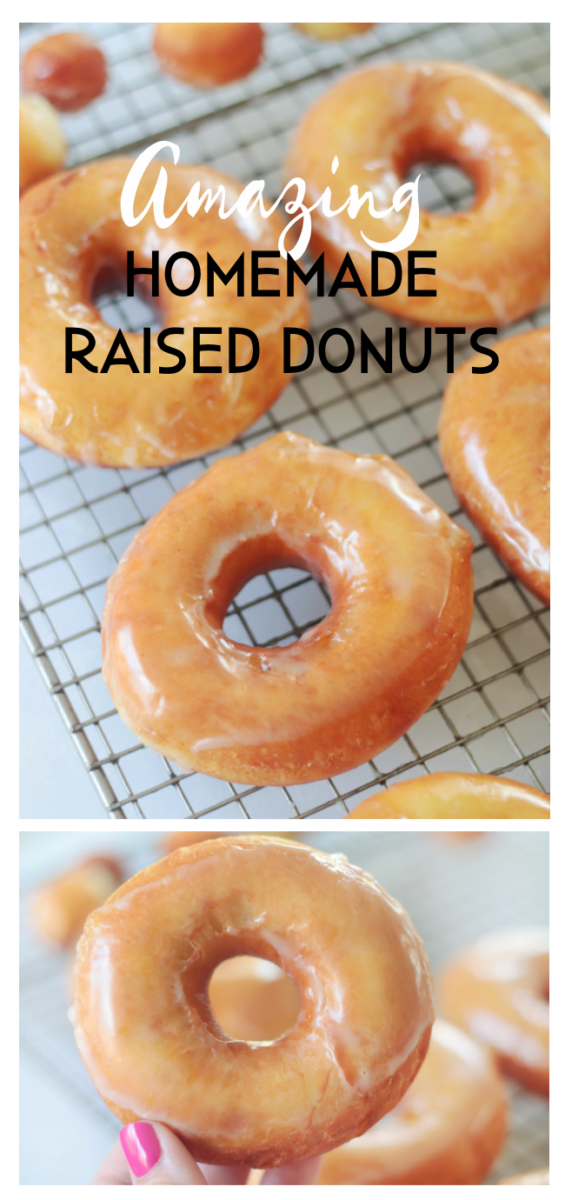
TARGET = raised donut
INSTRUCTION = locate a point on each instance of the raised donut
(492, 264)
(43, 145)
(531, 1177)
(448, 1128)
(71, 228)
(498, 990)
(207, 55)
(333, 31)
(494, 444)
(147, 1034)
(400, 580)
(61, 907)
(456, 795)
(69, 69)
(253, 1000)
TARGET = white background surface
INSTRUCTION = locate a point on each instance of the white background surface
(53, 781)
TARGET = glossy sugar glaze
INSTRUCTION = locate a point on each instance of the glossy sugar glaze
(400, 580)
(154, 1050)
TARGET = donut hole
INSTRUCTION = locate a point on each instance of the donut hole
(278, 608)
(253, 1000)
(120, 311)
(444, 187)
(266, 594)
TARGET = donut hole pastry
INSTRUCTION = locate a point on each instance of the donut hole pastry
(333, 31)
(498, 990)
(454, 794)
(494, 444)
(69, 69)
(71, 228)
(207, 55)
(492, 262)
(448, 1128)
(253, 1000)
(43, 145)
(397, 570)
(60, 907)
(147, 1034)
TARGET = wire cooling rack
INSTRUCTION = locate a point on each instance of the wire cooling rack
(454, 892)
(77, 521)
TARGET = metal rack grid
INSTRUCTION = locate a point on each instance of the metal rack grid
(77, 521)
(420, 870)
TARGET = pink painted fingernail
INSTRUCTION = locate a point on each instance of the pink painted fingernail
(140, 1145)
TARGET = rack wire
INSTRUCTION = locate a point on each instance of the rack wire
(76, 521)
(455, 892)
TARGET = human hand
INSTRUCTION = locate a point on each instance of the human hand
(148, 1152)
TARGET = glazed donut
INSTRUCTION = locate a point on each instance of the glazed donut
(400, 579)
(492, 264)
(494, 444)
(71, 227)
(67, 68)
(531, 1178)
(333, 31)
(154, 1050)
(498, 990)
(456, 795)
(61, 907)
(207, 55)
(448, 1128)
(43, 144)
(253, 1000)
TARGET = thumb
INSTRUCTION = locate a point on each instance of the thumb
(155, 1154)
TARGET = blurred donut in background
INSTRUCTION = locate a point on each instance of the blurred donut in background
(498, 990)
(207, 55)
(68, 69)
(335, 31)
(449, 1126)
(60, 908)
(43, 145)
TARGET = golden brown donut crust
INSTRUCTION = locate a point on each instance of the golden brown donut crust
(453, 794)
(207, 55)
(147, 1035)
(448, 1128)
(492, 264)
(498, 990)
(494, 444)
(399, 574)
(71, 227)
